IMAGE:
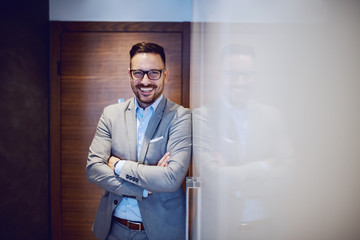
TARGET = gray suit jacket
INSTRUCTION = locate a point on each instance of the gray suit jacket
(227, 186)
(169, 130)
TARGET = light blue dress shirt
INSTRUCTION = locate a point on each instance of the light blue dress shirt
(253, 209)
(128, 207)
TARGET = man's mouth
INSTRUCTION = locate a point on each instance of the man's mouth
(146, 90)
(239, 88)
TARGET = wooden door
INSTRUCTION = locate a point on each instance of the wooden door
(88, 72)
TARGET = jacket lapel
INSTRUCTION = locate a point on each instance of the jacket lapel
(152, 126)
(130, 117)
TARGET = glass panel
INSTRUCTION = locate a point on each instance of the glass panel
(274, 94)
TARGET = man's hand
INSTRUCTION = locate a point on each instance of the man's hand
(163, 162)
(112, 160)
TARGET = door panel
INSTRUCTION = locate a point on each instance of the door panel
(93, 75)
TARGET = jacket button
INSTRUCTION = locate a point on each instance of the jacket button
(115, 202)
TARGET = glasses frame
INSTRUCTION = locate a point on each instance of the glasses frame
(147, 73)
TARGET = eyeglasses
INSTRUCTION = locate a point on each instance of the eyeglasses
(233, 74)
(152, 74)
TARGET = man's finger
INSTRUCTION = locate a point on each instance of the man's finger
(165, 162)
(164, 159)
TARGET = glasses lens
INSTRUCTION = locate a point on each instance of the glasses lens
(154, 74)
(236, 74)
(137, 74)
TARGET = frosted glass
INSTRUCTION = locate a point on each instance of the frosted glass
(275, 99)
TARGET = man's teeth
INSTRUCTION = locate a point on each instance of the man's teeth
(146, 89)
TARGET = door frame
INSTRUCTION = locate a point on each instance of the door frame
(56, 30)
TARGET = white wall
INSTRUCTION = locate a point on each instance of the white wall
(120, 10)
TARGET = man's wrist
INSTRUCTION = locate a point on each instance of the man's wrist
(115, 166)
(118, 166)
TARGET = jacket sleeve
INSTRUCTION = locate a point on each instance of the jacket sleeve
(170, 178)
(97, 170)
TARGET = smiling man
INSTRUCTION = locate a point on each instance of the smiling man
(140, 156)
(147, 89)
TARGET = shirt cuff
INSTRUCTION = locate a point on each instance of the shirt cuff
(118, 166)
(145, 193)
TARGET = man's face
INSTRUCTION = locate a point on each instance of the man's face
(146, 90)
(238, 72)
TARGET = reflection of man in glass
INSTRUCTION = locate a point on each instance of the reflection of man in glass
(238, 71)
(241, 152)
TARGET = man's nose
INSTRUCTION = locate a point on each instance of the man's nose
(145, 80)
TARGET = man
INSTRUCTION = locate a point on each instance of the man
(140, 155)
(241, 152)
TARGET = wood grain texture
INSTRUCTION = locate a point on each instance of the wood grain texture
(94, 62)
(123, 26)
(55, 161)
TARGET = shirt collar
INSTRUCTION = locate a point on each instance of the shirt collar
(153, 106)
(235, 111)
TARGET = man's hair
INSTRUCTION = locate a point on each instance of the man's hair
(147, 47)
(237, 49)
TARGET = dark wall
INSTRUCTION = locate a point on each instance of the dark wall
(24, 121)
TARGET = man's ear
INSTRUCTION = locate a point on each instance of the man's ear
(166, 74)
(129, 75)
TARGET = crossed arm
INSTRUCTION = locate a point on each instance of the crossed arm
(169, 177)
(166, 176)
(163, 162)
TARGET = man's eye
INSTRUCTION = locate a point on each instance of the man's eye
(138, 73)
(154, 72)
